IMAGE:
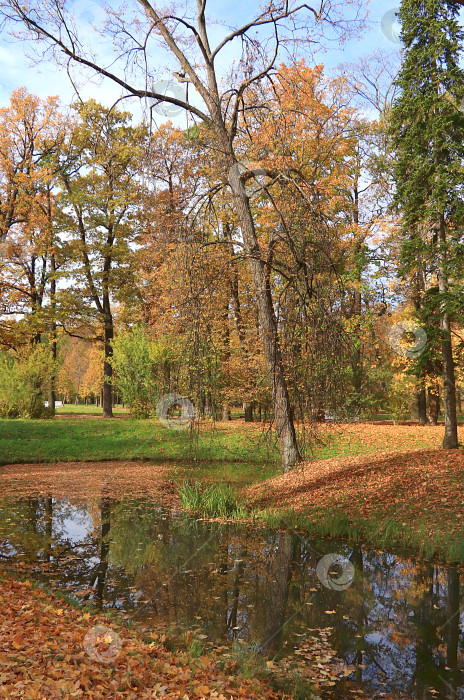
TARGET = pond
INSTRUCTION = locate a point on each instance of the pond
(390, 625)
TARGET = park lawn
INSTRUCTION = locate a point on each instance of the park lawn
(89, 409)
(237, 455)
(224, 454)
(92, 438)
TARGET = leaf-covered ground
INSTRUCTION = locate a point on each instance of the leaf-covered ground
(411, 498)
(51, 650)
(90, 479)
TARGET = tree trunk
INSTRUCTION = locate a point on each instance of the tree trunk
(107, 398)
(226, 412)
(450, 440)
(52, 395)
(434, 405)
(248, 408)
(285, 429)
(422, 406)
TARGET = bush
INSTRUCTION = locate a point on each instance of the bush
(24, 383)
(142, 369)
(400, 397)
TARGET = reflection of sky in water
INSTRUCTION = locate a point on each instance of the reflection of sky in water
(255, 585)
(72, 522)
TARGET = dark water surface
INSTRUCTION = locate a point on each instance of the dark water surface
(396, 622)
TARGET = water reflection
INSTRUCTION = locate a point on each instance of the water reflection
(399, 624)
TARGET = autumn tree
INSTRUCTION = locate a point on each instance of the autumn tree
(31, 136)
(186, 40)
(100, 204)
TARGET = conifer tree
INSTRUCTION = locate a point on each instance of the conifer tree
(427, 125)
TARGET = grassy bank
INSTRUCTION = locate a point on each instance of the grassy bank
(412, 500)
(76, 439)
(94, 439)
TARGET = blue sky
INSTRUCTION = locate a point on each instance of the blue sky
(47, 79)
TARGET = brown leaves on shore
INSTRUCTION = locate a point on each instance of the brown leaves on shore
(90, 479)
(421, 490)
(43, 656)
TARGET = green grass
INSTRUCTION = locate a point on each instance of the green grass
(240, 457)
(213, 500)
(89, 409)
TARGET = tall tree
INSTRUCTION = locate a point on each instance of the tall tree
(100, 210)
(428, 135)
(185, 34)
(32, 133)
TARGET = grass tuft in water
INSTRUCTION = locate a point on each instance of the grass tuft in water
(213, 500)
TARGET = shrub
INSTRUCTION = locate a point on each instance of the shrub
(142, 368)
(24, 383)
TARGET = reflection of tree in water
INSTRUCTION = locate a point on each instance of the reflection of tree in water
(99, 577)
(398, 622)
(280, 574)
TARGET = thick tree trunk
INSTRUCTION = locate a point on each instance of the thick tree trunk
(434, 405)
(450, 440)
(289, 451)
(422, 406)
(248, 408)
(226, 412)
(107, 396)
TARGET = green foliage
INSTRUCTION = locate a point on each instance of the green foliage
(400, 397)
(143, 369)
(135, 372)
(427, 120)
(24, 383)
(214, 500)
